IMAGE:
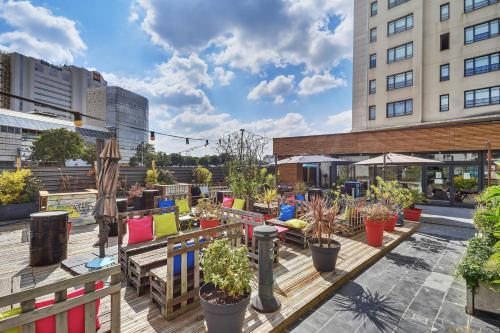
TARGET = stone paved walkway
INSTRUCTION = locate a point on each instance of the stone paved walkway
(411, 289)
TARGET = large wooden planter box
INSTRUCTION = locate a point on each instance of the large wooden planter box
(17, 211)
(483, 299)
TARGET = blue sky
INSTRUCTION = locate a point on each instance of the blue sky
(274, 67)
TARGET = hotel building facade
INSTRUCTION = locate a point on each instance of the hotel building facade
(426, 82)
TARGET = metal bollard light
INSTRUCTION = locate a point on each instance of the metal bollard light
(265, 301)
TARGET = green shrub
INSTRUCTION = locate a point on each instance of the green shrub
(202, 175)
(227, 268)
(165, 177)
(18, 187)
(151, 177)
(471, 267)
(465, 184)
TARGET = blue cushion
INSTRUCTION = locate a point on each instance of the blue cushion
(300, 197)
(190, 258)
(166, 203)
(287, 212)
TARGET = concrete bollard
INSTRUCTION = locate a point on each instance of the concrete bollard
(265, 301)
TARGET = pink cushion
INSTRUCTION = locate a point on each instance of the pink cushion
(281, 229)
(140, 230)
(76, 315)
(227, 202)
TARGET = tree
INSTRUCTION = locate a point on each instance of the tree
(176, 159)
(144, 155)
(57, 145)
(163, 159)
(89, 153)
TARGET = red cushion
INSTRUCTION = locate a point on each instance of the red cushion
(227, 202)
(140, 229)
(76, 315)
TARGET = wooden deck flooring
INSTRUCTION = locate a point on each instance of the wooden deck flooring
(298, 285)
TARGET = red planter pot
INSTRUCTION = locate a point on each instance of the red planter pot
(390, 223)
(374, 232)
(269, 216)
(205, 224)
(412, 214)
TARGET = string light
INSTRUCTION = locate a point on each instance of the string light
(187, 141)
(77, 119)
(152, 137)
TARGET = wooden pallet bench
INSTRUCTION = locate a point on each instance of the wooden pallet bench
(125, 252)
(249, 220)
(140, 265)
(177, 293)
(186, 221)
(297, 236)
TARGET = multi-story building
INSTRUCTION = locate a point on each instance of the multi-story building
(60, 86)
(422, 62)
(126, 112)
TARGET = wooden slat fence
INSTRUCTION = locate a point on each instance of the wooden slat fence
(59, 309)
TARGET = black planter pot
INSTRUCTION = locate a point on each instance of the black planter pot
(13, 212)
(138, 203)
(223, 318)
(324, 258)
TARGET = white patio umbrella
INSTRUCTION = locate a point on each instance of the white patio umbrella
(302, 159)
(309, 159)
(397, 159)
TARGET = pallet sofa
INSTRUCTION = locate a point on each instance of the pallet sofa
(186, 220)
(174, 287)
(297, 236)
(248, 220)
(125, 251)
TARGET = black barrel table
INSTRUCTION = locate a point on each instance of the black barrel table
(48, 238)
(148, 197)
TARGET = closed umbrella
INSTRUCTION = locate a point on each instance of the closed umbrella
(105, 210)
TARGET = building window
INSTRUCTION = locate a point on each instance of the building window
(444, 12)
(444, 103)
(373, 35)
(372, 112)
(445, 41)
(482, 97)
(400, 80)
(470, 5)
(373, 60)
(372, 87)
(444, 72)
(400, 25)
(400, 108)
(482, 64)
(400, 53)
(394, 3)
(481, 31)
(374, 8)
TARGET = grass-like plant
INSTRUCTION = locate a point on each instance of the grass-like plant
(300, 188)
(269, 196)
(322, 223)
(135, 190)
(227, 268)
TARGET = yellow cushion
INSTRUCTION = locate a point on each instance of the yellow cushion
(8, 314)
(296, 224)
(165, 225)
(239, 204)
(183, 206)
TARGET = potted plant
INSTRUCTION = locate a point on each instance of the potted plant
(321, 228)
(480, 267)
(209, 213)
(226, 294)
(18, 194)
(414, 197)
(135, 194)
(268, 197)
(300, 188)
(392, 195)
(375, 217)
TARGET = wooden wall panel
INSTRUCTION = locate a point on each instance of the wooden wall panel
(289, 174)
(463, 137)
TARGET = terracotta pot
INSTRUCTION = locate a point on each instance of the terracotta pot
(206, 224)
(412, 214)
(390, 223)
(374, 232)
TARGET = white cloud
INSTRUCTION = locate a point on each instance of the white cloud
(177, 83)
(319, 83)
(223, 77)
(275, 89)
(39, 33)
(249, 35)
(340, 122)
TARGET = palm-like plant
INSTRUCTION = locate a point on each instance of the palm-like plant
(269, 196)
(322, 223)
